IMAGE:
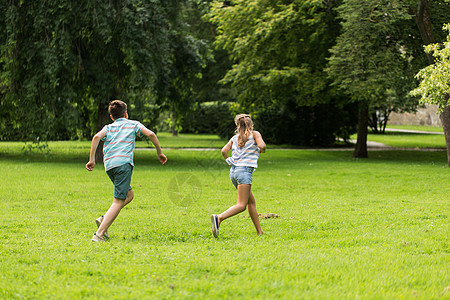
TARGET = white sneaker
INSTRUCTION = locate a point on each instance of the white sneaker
(99, 221)
(215, 225)
(97, 238)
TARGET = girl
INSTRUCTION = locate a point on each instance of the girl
(246, 145)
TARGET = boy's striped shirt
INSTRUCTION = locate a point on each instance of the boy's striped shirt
(120, 137)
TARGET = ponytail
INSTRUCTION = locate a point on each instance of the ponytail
(244, 127)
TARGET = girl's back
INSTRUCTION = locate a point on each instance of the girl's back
(246, 156)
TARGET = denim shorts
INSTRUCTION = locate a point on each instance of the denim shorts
(241, 175)
(121, 177)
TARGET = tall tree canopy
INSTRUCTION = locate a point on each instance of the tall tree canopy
(189, 55)
(73, 57)
(278, 47)
(279, 50)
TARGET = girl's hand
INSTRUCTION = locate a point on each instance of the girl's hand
(228, 160)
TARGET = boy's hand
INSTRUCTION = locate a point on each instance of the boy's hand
(162, 158)
(90, 165)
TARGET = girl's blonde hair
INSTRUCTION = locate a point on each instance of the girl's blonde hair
(244, 127)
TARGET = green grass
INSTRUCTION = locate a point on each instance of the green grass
(348, 229)
(412, 127)
(409, 140)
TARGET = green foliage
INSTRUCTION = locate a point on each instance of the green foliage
(206, 86)
(189, 54)
(210, 117)
(66, 60)
(144, 108)
(369, 58)
(434, 79)
(279, 49)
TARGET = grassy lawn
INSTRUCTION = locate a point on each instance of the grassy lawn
(408, 140)
(348, 229)
(421, 128)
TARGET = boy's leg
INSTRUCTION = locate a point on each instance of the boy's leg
(130, 197)
(253, 213)
(244, 191)
(113, 212)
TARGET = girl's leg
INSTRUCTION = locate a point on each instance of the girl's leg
(113, 212)
(244, 191)
(253, 213)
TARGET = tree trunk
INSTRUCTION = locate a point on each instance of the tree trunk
(445, 120)
(423, 20)
(363, 121)
(102, 120)
(385, 121)
(373, 122)
(174, 129)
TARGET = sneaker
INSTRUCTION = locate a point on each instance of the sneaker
(99, 221)
(97, 238)
(215, 225)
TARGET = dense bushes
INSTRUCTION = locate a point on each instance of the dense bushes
(317, 125)
(209, 117)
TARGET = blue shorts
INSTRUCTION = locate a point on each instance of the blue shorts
(121, 177)
(241, 175)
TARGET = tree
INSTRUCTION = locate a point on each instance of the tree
(278, 47)
(429, 17)
(368, 59)
(206, 86)
(188, 55)
(83, 54)
(434, 85)
(279, 50)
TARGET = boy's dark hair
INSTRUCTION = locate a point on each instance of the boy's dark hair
(117, 109)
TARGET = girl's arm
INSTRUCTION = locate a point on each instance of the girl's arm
(259, 141)
(226, 149)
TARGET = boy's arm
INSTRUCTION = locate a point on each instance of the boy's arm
(95, 140)
(259, 141)
(152, 136)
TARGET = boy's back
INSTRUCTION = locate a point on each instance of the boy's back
(120, 142)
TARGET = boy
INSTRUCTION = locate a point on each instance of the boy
(118, 152)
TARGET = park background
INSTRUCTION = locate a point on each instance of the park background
(320, 79)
